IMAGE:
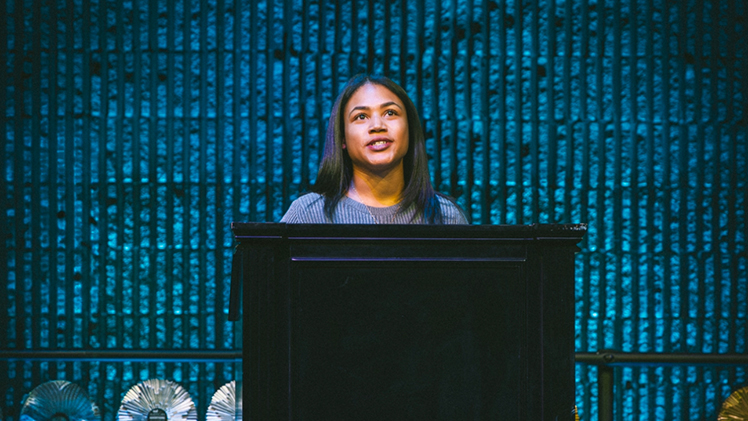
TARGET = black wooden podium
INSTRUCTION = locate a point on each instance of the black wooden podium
(394, 322)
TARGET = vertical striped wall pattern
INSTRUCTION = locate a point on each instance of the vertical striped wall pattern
(135, 131)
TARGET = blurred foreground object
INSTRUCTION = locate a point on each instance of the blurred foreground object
(157, 400)
(735, 406)
(58, 400)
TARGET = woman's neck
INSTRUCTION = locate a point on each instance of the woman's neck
(378, 190)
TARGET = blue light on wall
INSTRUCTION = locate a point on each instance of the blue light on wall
(136, 131)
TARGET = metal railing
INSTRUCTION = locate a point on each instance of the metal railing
(125, 355)
(607, 360)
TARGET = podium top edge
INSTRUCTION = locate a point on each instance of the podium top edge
(273, 230)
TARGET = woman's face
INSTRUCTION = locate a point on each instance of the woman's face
(376, 129)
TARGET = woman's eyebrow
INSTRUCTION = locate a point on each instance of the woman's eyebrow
(383, 105)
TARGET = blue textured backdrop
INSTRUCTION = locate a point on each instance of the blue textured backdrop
(136, 131)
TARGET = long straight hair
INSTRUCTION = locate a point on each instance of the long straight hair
(336, 169)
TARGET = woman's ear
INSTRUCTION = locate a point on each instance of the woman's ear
(344, 144)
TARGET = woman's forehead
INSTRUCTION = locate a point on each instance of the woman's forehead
(372, 94)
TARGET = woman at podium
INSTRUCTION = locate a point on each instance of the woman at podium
(374, 169)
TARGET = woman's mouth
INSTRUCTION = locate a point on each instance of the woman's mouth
(379, 144)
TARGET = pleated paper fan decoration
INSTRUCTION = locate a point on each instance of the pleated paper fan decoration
(157, 400)
(58, 400)
(223, 404)
(735, 407)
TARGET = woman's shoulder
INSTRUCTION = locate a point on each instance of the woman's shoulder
(452, 213)
(306, 209)
(309, 199)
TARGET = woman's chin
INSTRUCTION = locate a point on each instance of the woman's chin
(379, 166)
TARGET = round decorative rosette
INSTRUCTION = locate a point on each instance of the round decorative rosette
(223, 404)
(58, 400)
(157, 400)
(735, 407)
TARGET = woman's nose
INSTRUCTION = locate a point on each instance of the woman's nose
(377, 124)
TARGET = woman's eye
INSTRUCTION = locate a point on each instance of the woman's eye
(390, 112)
(359, 117)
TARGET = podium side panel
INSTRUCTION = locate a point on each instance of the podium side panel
(264, 380)
(557, 292)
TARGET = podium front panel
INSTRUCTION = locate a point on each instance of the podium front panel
(403, 323)
(420, 340)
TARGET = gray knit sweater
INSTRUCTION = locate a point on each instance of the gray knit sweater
(309, 209)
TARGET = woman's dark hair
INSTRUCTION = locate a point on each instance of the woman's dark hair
(336, 169)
